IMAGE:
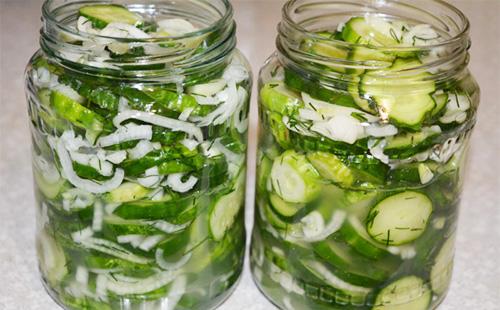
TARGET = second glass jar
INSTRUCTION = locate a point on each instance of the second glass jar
(365, 115)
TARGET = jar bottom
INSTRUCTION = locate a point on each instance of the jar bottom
(286, 300)
(210, 305)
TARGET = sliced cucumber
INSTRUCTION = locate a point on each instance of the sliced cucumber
(272, 218)
(442, 269)
(358, 30)
(52, 258)
(294, 178)
(400, 218)
(352, 265)
(361, 102)
(263, 172)
(76, 113)
(324, 274)
(224, 211)
(278, 98)
(355, 234)
(441, 100)
(283, 208)
(407, 144)
(408, 293)
(406, 99)
(102, 14)
(127, 192)
(327, 50)
(331, 168)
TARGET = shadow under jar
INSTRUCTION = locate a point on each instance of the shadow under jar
(139, 125)
(366, 110)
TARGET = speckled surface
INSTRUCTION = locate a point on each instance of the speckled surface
(476, 283)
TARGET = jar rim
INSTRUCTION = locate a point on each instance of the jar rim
(460, 36)
(47, 14)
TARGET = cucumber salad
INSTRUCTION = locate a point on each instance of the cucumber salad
(358, 182)
(140, 186)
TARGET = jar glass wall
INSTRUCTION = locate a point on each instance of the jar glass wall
(366, 110)
(139, 116)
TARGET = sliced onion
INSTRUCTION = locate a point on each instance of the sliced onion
(177, 289)
(185, 114)
(69, 92)
(116, 157)
(174, 181)
(223, 111)
(241, 122)
(150, 242)
(134, 240)
(377, 149)
(82, 275)
(176, 26)
(113, 249)
(84, 184)
(158, 120)
(122, 30)
(167, 227)
(101, 284)
(151, 178)
(140, 150)
(140, 286)
(190, 144)
(129, 132)
(81, 235)
(76, 198)
(379, 131)
(98, 216)
(160, 260)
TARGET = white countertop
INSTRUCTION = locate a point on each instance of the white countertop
(476, 283)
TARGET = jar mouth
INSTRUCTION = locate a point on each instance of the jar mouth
(205, 49)
(50, 11)
(297, 16)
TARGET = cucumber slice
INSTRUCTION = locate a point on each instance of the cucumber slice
(352, 265)
(278, 98)
(52, 258)
(442, 269)
(325, 275)
(331, 168)
(294, 178)
(272, 218)
(224, 211)
(102, 14)
(441, 100)
(279, 130)
(263, 172)
(356, 236)
(316, 89)
(408, 293)
(399, 219)
(361, 102)
(127, 192)
(283, 208)
(76, 113)
(358, 30)
(410, 143)
(404, 98)
(327, 50)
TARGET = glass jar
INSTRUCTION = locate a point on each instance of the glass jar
(366, 110)
(139, 128)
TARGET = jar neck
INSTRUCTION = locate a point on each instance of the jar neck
(161, 58)
(304, 19)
